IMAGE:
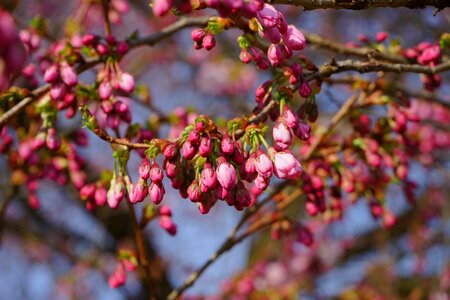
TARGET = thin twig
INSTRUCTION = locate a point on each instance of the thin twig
(227, 245)
(340, 48)
(105, 7)
(8, 198)
(340, 114)
(327, 70)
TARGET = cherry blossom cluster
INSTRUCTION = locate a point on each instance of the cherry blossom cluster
(205, 165)
(426, 54)
(284, 39)
(127, 262)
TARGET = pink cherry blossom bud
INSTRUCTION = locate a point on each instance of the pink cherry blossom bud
(68, 75)
(262, 64)
(317, 183)
(51, 74)
(389, 219)
(156, 174)
(363, 38)
(268, 17)
(87, 192)
(58, 91)
(282, 24)
(238, 156)
(105, 90)
(100, 196)
(194, 191)
(165, 210)
(256, 53)
(208, 177)
(226, 175)
(53, 141)
(381, 36)
(221, 192)
(373, 159)
(294, 38)
(272, 35)
(376, 209)
(117, 278)
(102, 49)
(33, 201)
(249, 166)
(243, 197)
(263, 165)
(138, 191)
(289, 118)
(304, 90)
(122, 48)
(430, 55)
(194, 137)
(297, 69)
(188, 150)
(303, 130)
(166, 223)
(171, 151)
(115, 193)
(282, 136)
(177, 182)
(245, 57)
(129, 265)
(126, 82)
(227, 145)
(206, 203)
(209, 41)
(261, 183)
(410, 53)
(286, 165)
(402, 171)
(88, 39)
(311, 208)
(144, 169)
(161, 7)
(198, 35)
(276, 54)
(110, 39)
(171, 169)
(156, 192)
(305, 236)
(205, 147)
(261, 91)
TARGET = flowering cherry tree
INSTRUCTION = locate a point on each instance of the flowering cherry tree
(307, 128)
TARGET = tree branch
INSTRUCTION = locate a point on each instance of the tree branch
(182, 23)
(341, 48)
(362, 4)
(334, 67)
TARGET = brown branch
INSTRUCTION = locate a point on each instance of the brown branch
(341, 48)
(101, 133)
(362, 4)
(335, 67)
(8, 198)
(166, 32)
(105, 7)
(144, 261)
(340, 114)
(35, 94)
(227, 245)
(418, 95)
